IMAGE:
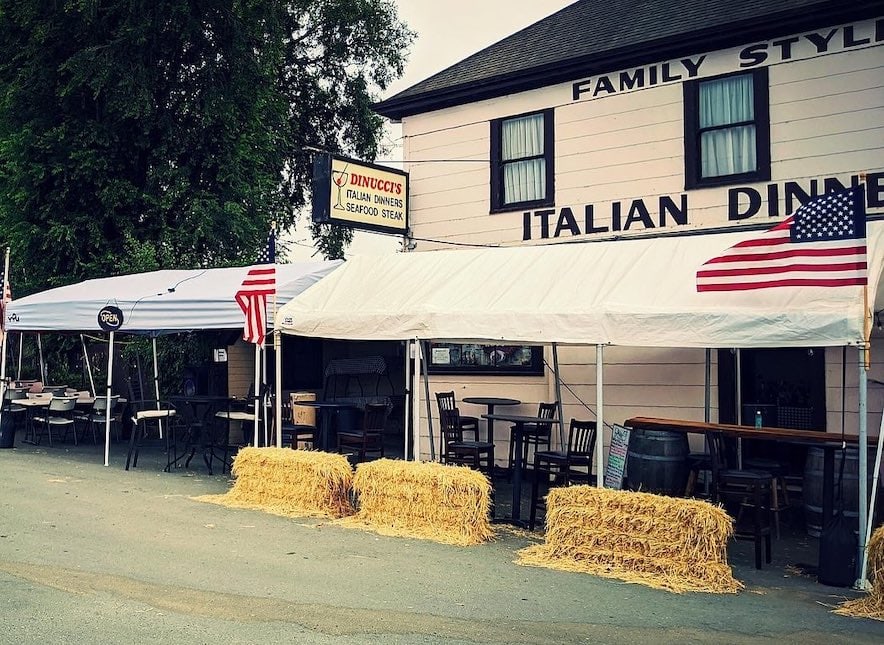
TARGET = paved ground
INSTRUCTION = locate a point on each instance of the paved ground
(90, 554)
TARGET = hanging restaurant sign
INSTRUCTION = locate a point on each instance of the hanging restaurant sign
(359, 194)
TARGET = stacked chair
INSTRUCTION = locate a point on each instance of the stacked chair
(568, 466)
(358, 444)
(457, 450)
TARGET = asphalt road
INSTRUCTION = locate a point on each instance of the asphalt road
(90, 554)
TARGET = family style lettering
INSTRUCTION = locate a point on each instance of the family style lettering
(815, 43)
(638, 78)
(822, 42)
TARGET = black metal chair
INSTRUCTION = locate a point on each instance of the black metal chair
(248, 413)
(17, 413)
(447, 401)
(94, 420)
(146, 415)
(370, 439)
(535, 434)
(564, 466)
(455, 450)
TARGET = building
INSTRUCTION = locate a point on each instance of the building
(612, 120)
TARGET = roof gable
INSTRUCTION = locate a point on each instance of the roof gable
(591, 37)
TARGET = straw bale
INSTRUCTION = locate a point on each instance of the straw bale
(293, 483)
(662, 542)
(872, 605)
(429, 501)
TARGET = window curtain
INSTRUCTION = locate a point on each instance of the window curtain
(724, 150)
(524, 179)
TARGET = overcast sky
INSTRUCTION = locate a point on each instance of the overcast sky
(447, 31)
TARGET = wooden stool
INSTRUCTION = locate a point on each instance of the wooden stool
(779, 500)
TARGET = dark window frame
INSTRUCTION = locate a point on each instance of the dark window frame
(497, 164)
(692, 132)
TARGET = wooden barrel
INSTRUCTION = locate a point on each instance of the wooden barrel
(813, 486)
(657, 462)
(302, 414)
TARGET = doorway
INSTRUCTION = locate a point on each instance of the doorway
(787, 386)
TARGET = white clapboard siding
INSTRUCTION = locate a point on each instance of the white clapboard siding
(813, 145)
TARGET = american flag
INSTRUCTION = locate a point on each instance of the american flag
(259, 283)
(822, 245)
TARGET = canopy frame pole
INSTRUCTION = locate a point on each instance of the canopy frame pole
(5, 334)
(257, 393)
(707, 399)
(263, 401)
(739, 399)
(429, 410)
(21, 345)
(406, 420)
(559, 405)
(88, 366)
(599, 416)
(863, 582)
(416, 406)
(156, 381)
(107, 408)
(42, 362)
(863, 453)
(277, 409)
(707, 388)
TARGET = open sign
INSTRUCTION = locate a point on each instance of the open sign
(110, 318)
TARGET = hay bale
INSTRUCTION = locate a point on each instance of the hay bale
(430, 501)
(293, 483)
(871, 606)
(662, 542)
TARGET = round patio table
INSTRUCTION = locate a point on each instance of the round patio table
(490, 402)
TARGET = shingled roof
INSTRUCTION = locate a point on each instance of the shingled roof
(593, 37)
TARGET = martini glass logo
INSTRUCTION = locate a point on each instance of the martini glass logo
(340, 178)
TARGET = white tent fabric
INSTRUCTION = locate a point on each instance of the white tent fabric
(157, 302)
(627, 292)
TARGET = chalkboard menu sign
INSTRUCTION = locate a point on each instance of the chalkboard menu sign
(615, 469)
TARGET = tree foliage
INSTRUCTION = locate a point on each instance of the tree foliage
(145, 134)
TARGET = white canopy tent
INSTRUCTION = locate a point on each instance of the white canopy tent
(631, 292)
(154, 303)
(157, 302)
(628, 292)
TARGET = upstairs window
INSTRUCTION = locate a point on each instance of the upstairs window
(727, 130)
(522, 161)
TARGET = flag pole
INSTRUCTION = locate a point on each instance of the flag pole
(3, 331)
(863, 448)
(867, 326)
(867, 313)
(277, 357)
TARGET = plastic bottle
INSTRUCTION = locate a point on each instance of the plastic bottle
(757, 418)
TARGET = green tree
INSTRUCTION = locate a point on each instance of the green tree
(145, 134)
